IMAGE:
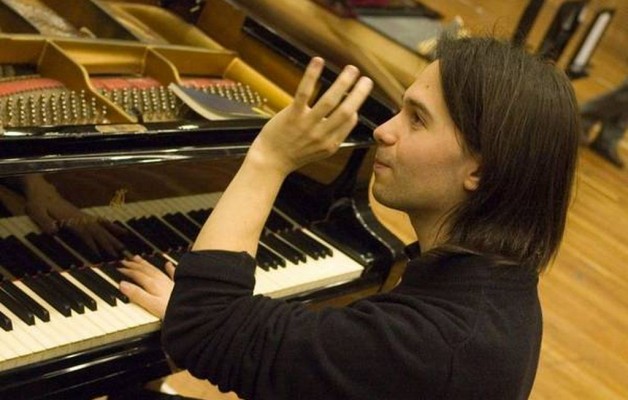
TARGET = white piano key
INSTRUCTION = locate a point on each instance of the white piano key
(105, 316)
(264, 283)
(65, 327)
(69, 337)
(135, 312)
(6, 352)
(14, 350)
(20, 338)
(126, 312)
(33, 335)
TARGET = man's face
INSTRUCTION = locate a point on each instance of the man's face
(420, 166)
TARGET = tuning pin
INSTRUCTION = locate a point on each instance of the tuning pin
(33, 114)
(65, 109)
(74, 108)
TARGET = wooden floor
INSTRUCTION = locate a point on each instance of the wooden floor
(585, 292)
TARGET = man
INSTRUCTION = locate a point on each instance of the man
(481, 157)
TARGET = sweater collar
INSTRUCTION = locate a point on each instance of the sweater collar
(413, 250)
(462, 268)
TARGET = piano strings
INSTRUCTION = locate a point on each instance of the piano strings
(33, 100)
(146, 98)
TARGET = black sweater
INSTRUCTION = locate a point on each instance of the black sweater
(455, 328)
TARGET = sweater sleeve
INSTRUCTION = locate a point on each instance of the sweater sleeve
(270, 349)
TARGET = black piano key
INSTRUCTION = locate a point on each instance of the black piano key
(62, 290)
(265, 258)
(157, 260)
(200, 216)
(297, 240)
(54, 250)
(58, 302)
(176, 255)
(149, 228)
(77, 244)
(133, 243)
(21, 252)
(277, 223)
(175, 239)
(145, 230)
(183, 225)
(272, 259)
(19, 259)
(76, 292)
(36, 308)
(10, 263)
(16, 308)
(111, 271)
(5, 322)
(325, 251)
(96, 284)
(283, 248)
(262, 260)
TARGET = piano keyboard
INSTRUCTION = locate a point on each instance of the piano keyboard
(66, 299)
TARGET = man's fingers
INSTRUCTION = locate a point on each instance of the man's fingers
(140, 269)
(335, 94)
(139, 296)
(308, 82)
(136, 262)
(347, 110)
(170, 268)
(137, 276)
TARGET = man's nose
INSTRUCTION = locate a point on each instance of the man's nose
(385, 133)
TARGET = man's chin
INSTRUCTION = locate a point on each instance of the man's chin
(380, 196)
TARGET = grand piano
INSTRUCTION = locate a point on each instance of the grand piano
(100, 159)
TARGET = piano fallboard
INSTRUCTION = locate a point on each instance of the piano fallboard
(103, 370)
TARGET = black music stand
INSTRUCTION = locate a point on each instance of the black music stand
(561, 30)
(580, 61)
(526, 21)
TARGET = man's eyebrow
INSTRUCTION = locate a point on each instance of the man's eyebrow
(426, 115)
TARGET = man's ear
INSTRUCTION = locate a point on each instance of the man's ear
(472, 179)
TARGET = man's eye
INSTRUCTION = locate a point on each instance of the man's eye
(416, 119)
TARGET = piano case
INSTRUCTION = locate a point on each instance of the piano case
(92, 137)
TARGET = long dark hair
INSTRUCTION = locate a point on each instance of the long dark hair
(519, 116)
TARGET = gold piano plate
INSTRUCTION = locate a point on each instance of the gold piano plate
(142, 74)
